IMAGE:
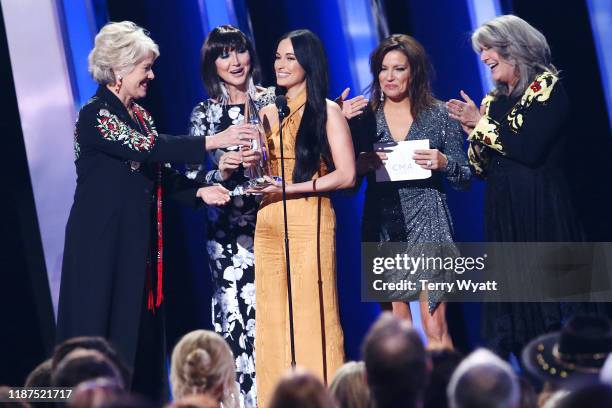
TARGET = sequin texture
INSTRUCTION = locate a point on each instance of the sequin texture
(416, 212)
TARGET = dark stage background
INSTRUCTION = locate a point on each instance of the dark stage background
(179, 27)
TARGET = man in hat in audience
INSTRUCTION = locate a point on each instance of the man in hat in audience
(573, 357)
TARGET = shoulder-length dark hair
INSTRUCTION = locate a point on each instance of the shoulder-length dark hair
(311, 142)
(419, 87)
(221, 39)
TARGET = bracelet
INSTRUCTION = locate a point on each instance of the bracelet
(314, 185)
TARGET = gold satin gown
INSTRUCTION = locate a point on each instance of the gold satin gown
(319, 341)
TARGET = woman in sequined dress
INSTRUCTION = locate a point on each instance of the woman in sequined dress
(415, 212)
(229, 69)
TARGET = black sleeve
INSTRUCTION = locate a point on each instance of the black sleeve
(363, 131)
(179, 188)
(98, 129)
(457, 170)
(529, 132)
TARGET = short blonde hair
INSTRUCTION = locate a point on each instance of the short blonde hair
(201, 361)
(118, 48)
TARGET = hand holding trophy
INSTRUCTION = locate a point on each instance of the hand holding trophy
(255, 159)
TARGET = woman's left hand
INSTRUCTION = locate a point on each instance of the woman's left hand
(430, 159)
(272, 188)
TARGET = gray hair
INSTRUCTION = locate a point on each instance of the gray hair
(484, 380)
(520, 44)
(118, 48)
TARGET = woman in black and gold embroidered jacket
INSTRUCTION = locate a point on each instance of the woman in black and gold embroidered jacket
(113, 256)
(518, 145)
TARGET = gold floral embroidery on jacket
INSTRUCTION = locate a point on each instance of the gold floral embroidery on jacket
(539, 91)
(115, 130)
(486, 132)
(477, 156)
(486, 102)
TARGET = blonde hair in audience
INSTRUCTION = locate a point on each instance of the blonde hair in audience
(202, 363)
(349, 386)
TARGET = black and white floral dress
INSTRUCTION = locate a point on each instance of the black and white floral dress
(230, 243)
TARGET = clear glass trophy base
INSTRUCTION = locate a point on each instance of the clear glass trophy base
(258, 183)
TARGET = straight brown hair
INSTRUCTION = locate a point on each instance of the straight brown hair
(419, 88)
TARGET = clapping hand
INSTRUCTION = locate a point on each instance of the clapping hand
(351, 107)
(466, 112)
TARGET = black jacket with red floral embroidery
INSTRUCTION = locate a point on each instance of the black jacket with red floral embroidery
(110, 235)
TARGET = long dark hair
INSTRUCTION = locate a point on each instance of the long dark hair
(221, 39)
(311, 142)
(419, 87)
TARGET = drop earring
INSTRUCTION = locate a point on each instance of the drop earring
(118, 84)
(224, 95)
(382, 96)
(251, 88)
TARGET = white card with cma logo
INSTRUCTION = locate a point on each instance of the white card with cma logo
(399, 165)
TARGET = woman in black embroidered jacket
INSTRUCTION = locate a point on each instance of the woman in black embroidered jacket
(113, 256)
(518, 144)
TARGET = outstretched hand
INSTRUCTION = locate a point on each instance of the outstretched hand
(214, 195)
(236, 135)
(273, 186)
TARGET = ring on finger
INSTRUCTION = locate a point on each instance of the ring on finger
(428, 163)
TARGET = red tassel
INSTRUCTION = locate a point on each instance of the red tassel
(155, 302)
(150, 301)
(160, 242)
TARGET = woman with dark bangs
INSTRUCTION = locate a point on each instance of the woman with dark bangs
(229, 71)
(319, 158)
(415, 212)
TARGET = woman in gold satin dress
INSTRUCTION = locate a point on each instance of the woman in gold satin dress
(319, 158)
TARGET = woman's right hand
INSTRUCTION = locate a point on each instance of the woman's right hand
(228, 163)
(235, 135)
(369, 161)
(214, 195)
(466, 112)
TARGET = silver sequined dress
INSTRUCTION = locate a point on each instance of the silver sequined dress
(416, 212)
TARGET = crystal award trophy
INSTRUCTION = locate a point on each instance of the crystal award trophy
(258, 174)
